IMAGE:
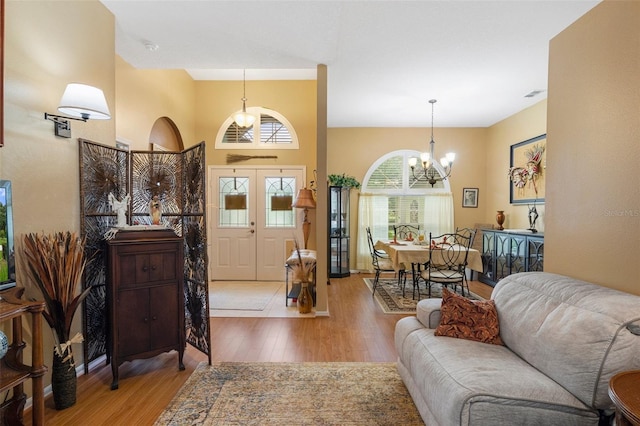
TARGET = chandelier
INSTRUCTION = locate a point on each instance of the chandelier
(427, 171)
(243, 118)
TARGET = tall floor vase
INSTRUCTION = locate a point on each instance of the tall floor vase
(305, 300)
(63, 379)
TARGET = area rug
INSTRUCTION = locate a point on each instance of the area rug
(242, 295)
(348, 393)
(389, 295)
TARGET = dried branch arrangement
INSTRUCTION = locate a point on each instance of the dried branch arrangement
(56, 263)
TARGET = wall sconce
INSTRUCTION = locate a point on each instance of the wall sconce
(80, 102)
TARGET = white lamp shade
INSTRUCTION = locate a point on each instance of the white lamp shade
(86, 102)
(244, 119)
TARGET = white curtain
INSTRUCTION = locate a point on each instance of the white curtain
(373, 212)
(438, 214)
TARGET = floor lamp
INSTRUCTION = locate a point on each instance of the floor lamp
(305, 201)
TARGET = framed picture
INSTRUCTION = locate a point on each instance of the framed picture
(527, 171)
(470, 197)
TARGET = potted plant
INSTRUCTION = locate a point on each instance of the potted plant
(344, 181)
(56, 264)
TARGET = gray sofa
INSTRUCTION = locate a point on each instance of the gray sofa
(564, 340)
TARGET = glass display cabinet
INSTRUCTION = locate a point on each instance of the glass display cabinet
(338, 231)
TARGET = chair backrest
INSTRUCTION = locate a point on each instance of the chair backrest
(449, 251)
(467, 232)
(372, 249)
(403, 232)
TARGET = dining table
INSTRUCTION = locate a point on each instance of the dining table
(404, 253)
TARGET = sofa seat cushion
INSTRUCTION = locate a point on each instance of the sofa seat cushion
(477, 383)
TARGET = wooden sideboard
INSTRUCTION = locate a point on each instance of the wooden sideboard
(145, 296)
(508, 252)
(13, 373)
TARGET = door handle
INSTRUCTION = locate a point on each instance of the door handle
(253, 231)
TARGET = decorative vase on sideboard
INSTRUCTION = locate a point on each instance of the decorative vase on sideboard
(500, 219)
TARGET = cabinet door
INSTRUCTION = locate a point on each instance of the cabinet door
(162, 266)
(133, 321)
(503, 255)
(535, 255)
(164, 313)
(488, 256)
(152, 267)
(517, 255)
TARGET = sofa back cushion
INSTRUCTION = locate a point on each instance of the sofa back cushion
(577, 333)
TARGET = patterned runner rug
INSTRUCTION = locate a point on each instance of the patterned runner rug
(349, 393)
(389, 295)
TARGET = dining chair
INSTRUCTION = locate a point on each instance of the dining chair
(471, 233)
(381, 263)
(406, 232)
(447, 263)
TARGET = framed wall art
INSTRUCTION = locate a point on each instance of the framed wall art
(470, 197)
(527, 171)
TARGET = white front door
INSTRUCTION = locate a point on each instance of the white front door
(252, 223)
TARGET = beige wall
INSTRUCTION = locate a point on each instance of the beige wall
(295, 100)
(144, 96)
(593, 187)
(47, 45)
(520, 127)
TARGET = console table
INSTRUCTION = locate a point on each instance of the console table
(13, 373)
(508, 252)
(624, 390)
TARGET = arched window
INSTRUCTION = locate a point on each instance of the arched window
(271, 131)
(390, 196)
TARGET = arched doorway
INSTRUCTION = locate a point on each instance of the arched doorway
(165, 136)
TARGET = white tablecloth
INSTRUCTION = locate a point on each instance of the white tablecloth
(406, 252)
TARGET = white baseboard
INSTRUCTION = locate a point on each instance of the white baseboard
(79, 372)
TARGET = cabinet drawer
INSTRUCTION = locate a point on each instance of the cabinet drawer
(136, 269)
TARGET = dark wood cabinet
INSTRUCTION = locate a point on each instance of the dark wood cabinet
(13, 373)
(145, 296)
(509, 252)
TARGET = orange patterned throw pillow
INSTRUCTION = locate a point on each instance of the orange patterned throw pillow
(468, 319)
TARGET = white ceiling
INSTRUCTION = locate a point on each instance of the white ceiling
(385, 59)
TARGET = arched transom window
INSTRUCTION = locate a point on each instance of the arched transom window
(271, 131)
(391, 196)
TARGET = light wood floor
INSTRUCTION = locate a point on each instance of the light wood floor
(356, 331)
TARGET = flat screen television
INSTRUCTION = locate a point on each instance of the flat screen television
(7, 249)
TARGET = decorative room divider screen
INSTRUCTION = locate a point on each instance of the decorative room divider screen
(178, 179)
